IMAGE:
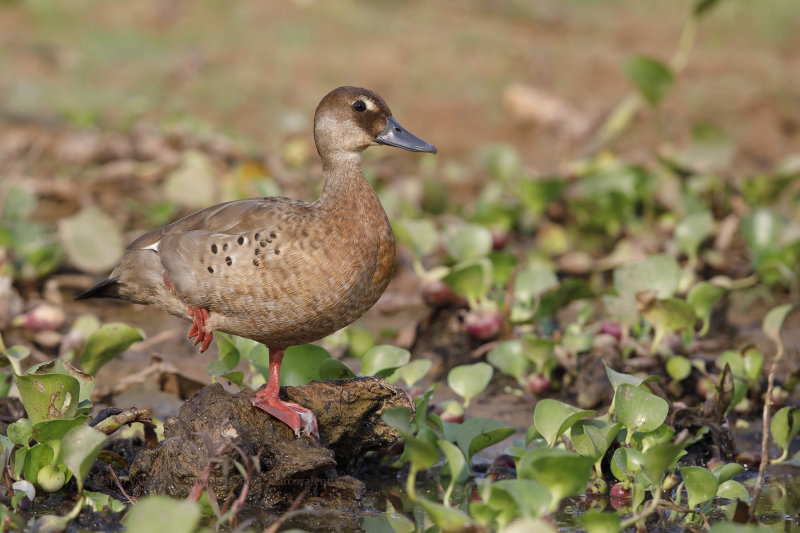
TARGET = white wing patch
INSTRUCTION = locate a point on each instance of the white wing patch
(153, 246)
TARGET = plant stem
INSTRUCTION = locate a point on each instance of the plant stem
(411, 481)
(765, 434)
(645, 512)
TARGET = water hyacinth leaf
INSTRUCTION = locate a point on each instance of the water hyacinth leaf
(334, 369)
(734, 360)
(20, 432)
(469, 241)
(51, 432)
(469, 380)
(564, 473)
(678, 367)
(626, 463)
(761, 230)
(534, 281)
(49, 396)
(597, 522)
(592, 438)
(639, 410)
(702, 298)
(652, 78)
(693, 230)
(162, 513)
(733, 490)
(79, 449)
(470, 279)
(91, 240)
(532, 498)
(508, 358)
(618, 378)
(710, 149)
(36, 458)
(784, 426)
(107, 343)
(447, 518)
(727, 471)
(456, 463)
(524, 525)
(360, 341)
(700, 483)
(420, 235)
(383, 358)
(301, 364)
(753, 363)
(412, 372)
(671, 314)
(14, 355)
(399, 418)
(660, 273)
(229, 355)
(478, 433)
(660, 459)
(645, 440)
(773, 323)
(552, 418)
(59, 366)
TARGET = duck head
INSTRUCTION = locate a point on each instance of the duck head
(350, 119)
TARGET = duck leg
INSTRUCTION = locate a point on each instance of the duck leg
(293, 415)
(199, 317)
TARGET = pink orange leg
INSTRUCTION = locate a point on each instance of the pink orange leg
(293, 415)
(199, 318)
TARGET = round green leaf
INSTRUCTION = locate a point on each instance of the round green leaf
(478, 433)
(639, 410)
(79, 449)
(700, 483)
(334, 369)
(469, 241)
(532, 498)
(20, 432)
(419, 235)
(49, 396)
(161, 513)
(660, 273)
(659, 459)
(91, 240)
(107, 343)
(626, 463)
(534, 281)
(412, 372)
(651, 77)
(733, 490)
(383, 358)
(592, 438)
(301, 364)
(469, 380)
(702, 298)
(552, 418)
(597, 522)
(618, 378)
(508, 358)
(773, 323)
(727, 471)
(564, 473)
(470, 279)
(784, 426)
(678, 367)
(36, 458)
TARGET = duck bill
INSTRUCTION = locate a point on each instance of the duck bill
(395, 135)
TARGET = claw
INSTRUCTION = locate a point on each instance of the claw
(199, 317)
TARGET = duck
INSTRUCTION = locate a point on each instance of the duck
(280, 271)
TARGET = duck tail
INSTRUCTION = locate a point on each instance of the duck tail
(105, 289)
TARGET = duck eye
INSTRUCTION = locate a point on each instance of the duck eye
(360, 106)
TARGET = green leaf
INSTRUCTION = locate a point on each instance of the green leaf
(700, 483)
(666, 316)
(470, 241)
(639, 410)
(592, 437)
(761, 229)
(49, 396)
(651, 77)
(301, 364)
(534, 281)
(626, 463)
(660, 459)
(419, 235)
(412, 372)
(733, 490)
(508, 358)
(387, 523)
(727, 471)
(36, 458)
(360, 341)
(618, 378)
(710, 150)
(564, 473)
(20, 432)
(470, 279)
(679, 367)
(383, 357)
(693, 230)
(52, 431)
(334, 369)
(469, 380)
(457, 464)
(107, 343)
(784, 426)
(161, 513)
(660, 273)
(773, 323)
(552, 418)
(91, 240)
(597, 522)
(79, 449)
(478, 433)
(644, 440)
(447, 518)
(702, 298)
(532, 498)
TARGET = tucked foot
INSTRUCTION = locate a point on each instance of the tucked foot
(199, 318)
(297, 417)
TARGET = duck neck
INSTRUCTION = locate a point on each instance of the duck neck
(342, 180)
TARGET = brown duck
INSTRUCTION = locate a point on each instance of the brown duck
(279, 271)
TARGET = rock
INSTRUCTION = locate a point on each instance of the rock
(213, 420)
